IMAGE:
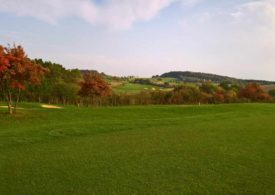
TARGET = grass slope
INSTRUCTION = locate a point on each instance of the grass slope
(132, 88)
(216, 149)
(267, 88)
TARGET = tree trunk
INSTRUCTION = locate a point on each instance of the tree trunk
(10, 108)
(17, 100)
(9, 103)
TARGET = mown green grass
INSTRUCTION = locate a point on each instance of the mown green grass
(215, 149)
(132, 88)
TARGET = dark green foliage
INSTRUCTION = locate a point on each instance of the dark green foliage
(186, 95)
(272, 93)
(59, 85)
(143, 81)
(195, 77)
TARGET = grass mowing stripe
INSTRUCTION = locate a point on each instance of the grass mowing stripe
(215, 149)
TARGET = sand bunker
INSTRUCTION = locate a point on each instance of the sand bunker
(11, 107)
(50, 106)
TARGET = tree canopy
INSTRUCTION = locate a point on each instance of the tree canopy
(16, 72)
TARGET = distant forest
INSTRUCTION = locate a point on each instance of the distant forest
(188, 76)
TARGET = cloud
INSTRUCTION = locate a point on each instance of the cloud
(256, 11)
(122, 14)
(114, 14)
(50, 10)
(237, 39)
(257, 18)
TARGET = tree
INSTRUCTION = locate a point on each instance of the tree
(254, 92)
(186, 94)
(93, 86)
(208, 87)
(17, 71)
(272, 93)
(230, 96)
(59, 85)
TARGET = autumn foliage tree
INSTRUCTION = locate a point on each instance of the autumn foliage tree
(254, 92)
(16, 72)
(93, 86)
(186, 94)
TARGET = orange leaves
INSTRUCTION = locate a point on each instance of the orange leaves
(17, 85)
(254, 92)
(3, 60)
(93, 85)
(16, 69)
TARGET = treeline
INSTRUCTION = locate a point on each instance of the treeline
(195, 77)
(205, 93)
(86, 88)
(68, 86)
(59, 85)
(23, 79)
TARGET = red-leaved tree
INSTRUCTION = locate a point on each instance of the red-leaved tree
(17, 71)
(93, 86)
(254, 92)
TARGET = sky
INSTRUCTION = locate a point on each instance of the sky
(146, 37)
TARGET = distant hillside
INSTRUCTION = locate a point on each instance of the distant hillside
(188, 76)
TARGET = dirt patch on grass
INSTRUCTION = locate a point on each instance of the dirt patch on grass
(50, 106)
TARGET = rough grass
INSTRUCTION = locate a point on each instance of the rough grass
(217, 149)
(267, 88)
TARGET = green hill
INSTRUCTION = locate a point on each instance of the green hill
(188, 76)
